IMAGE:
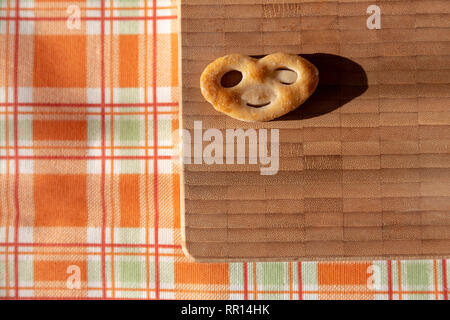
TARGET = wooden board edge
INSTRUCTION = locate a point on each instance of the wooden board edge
(184, 246)
(313, 259)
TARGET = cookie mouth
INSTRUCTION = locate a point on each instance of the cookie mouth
(260, 105)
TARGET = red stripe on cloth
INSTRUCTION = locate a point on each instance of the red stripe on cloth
(91, 105)
(399, 277)
(88, 157)
(16, 148)
(444, 279)
(147, 206)
(102, 32)
(94, 245)
(155, 148)
(389, 272)
(71, 298)
(245, 281)
(300, 284)
(7, 277)
(87, 18)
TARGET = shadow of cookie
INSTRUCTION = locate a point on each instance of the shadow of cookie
(340, 81)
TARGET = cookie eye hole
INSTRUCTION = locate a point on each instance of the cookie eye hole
(231, 78)
(285, 75)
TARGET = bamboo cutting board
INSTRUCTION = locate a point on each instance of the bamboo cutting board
(364, 163)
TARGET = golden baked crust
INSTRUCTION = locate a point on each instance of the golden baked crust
(260, 84)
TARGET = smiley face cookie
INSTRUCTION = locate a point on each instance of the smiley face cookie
(263, 89)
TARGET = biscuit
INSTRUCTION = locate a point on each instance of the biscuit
(270, 87)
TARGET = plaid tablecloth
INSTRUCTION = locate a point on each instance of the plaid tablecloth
(89, 187)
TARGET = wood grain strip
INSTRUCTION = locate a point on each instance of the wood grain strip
(369, 178)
